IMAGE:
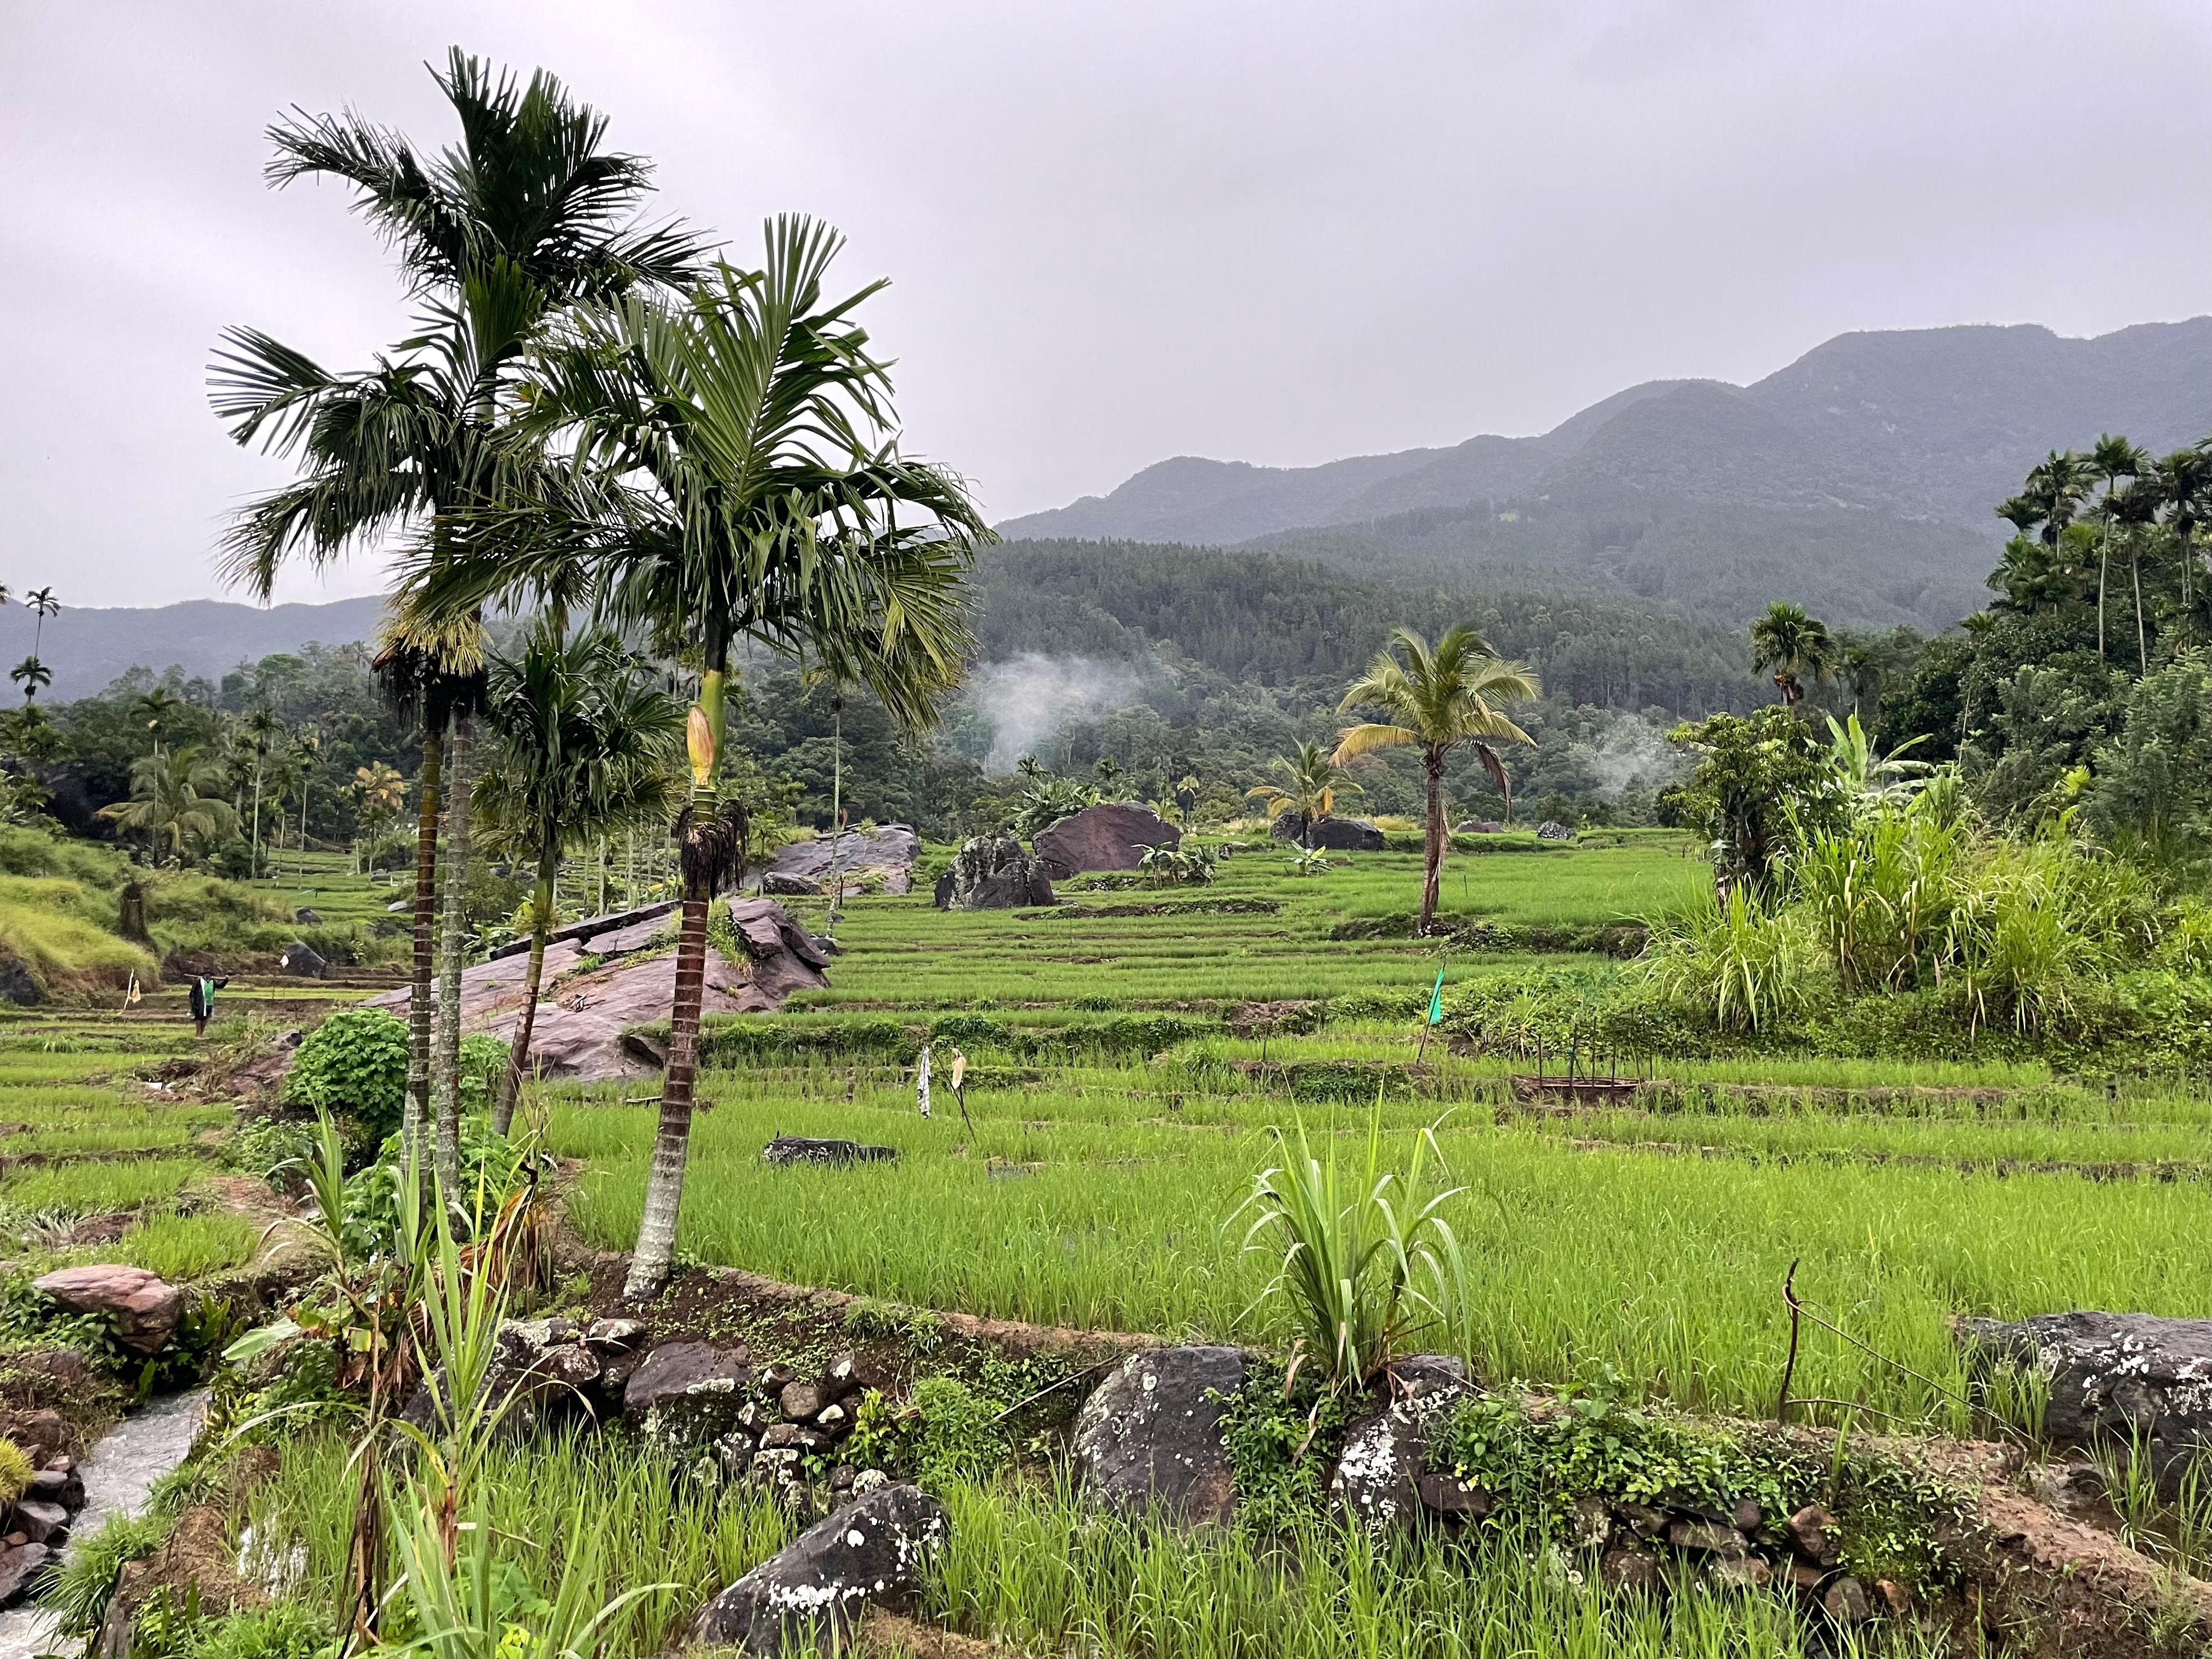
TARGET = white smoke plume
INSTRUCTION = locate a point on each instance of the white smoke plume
(1028, 697)
(1634, 753)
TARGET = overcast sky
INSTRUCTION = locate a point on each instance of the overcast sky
(1281, 232)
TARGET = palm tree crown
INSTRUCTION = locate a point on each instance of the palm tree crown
(173, 802)
(1438, 697)
(1795, 647)
(1311, 781)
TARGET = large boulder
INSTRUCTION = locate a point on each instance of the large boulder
(146, 1307)
(1381, 1479)
(302, 961)
(1111, 835)
(618, 972)
(686, 1395)
(1150, 1435)
(808, 1595)
(814, 866)
(2116, 1379)
(1553, 830)
(993, 872)
(1333, 834)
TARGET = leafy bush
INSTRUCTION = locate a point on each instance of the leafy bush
(1535, 1458)
(944, 1435)
(283, 1630)
(265, 1144)
(354, 1063)
(1282, 1439)
(29, 1315)
(84, 1583)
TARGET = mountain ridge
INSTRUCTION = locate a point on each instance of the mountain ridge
(1926, 426)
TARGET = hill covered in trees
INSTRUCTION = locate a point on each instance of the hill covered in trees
(1859, 477)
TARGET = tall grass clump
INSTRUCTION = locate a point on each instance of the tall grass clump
(1367, 1257)
(1740, 964)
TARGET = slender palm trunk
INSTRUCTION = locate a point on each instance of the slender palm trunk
(256, 817)
(518, 1061)
(446, 1054)
(2104, 564)
(1432, 837)
(672, 1144)
(664, 1187)
(416, 1111)
(2134, 575)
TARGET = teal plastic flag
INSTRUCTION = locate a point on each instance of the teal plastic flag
(1437, 1000)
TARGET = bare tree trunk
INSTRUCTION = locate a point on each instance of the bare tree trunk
(1432, 837)
(416, 1111)
(446, 1053)
(664, 1187)
(518, 1060)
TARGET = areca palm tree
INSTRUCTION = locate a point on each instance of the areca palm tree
(1795, 647)
(737, 477)
(175, 799)
(1311, 781)
(530, 213)
(2112, 459)
(1437, 698)
(157, 708)
(42, 604)
(30, 674)
(2181, 486)
(588, 746)
(425, 673)
(261, 729)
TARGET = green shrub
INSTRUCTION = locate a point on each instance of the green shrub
(354, 1063)
(944, 1435)
(284, 1630)
(978, 1030)
(15, 1471)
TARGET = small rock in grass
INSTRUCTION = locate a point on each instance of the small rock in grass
(1629, 1569)
(1707, 1537)
(800, 1401)
(781, 1435)
(1593, 1522)
(39, 1522)
(1812, 1530)
(1749, 1516)
(1897, 1596)
(1847, 1601)
(616, 1335)
(1150, 1435)
(776, 1378)
(1738, 1572)
(842, 1377)
(1650, 1522)
(868, 1481)
(834, 1420)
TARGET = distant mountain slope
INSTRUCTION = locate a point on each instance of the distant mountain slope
(87, 645)
(1925, 428)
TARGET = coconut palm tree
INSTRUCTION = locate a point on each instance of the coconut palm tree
(1795, 647)
(737, 477)
(1310, 784)
(588, 746)
(1437, 698)
(30, 674)
(175, 799)
(2112, 459)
